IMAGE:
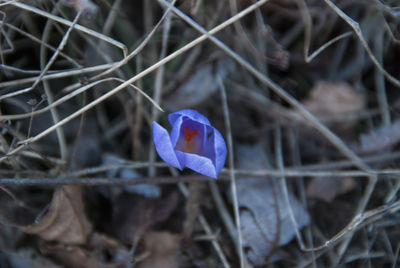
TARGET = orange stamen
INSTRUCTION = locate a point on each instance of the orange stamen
(189, 134)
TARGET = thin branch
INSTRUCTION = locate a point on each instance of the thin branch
(135, 78)
(308, 32)
(99, 181)
(357, 30)
(46, 66)
(68, 23)
(231, 172)
(158, 86)
(283, 185)
(207, 229)
(335, 140)
(52, 75)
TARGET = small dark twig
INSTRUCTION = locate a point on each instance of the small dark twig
(99, 181)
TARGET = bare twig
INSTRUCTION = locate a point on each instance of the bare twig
(379, 78)
(46, 66)
(283, 185)
(98, 181)
(68, 23)
(308, 32)
(159, 86)
(135, 78)
(231, 172)
(357, 30)
(359, 221)
(277, 89)
(207, 229)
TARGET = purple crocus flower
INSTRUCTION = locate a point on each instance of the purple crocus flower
(193, 143)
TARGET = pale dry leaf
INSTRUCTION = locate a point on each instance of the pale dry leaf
(70, 256)
(25, 258)
(103, 241)
(266, 222)
(147, 190)
(333, 99)
(325, 188)
(65, 221)
(106, 247)
(381, 138)
(162, 248)
(200, 86)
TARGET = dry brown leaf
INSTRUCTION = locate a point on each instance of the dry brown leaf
(327, 189)
(65, 221)
(70, 256)
(333, 99)
(266, 223)
(106, 248)
(133, 215)
(102, 241)
(162, 247)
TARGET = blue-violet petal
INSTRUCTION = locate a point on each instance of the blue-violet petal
(164, 146)
(192, 114)
(198, 163)
(220, 150)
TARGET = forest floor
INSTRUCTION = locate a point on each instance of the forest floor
(305, 93)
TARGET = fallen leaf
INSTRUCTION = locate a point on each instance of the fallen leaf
(14, 212)
(65, 221)
(28, 258)
(133, 215)
(266, 221)
(107, 248)
(334, 99)
(162, 247)
(200, 86)
(325, 188)
(147, 190)
(70, 256)
(379, 139)
(102, 241)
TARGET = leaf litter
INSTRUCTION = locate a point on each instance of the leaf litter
(152, 225)
(266, 224)
(327, 188)
(65, 221)
(131, 222)
(201, 85)
(162, 248)
(333, 100)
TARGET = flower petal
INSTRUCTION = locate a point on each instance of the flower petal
(220, 150)
(164, 146)
(192, 114)
(176, 130)
(197, 163)
(208, 147)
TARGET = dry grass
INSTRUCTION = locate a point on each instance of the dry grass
(77, 74)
